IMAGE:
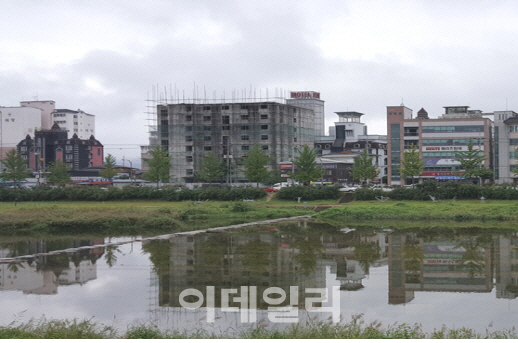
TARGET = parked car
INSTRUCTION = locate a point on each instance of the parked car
(348, 188)
(382, 188)
(270, 190)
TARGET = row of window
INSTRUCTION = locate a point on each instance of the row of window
(513, 128)
(460, 128)
(223, 107)
(477, 141)
(189, 128)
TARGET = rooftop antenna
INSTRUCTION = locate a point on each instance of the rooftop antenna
(402, 104)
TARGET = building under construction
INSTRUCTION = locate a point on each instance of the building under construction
(229, 130)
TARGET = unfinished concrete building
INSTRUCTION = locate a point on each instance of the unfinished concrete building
(229, 130)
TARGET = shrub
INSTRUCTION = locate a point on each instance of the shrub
(309, 192)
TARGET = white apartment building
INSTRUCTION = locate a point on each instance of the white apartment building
(15, 124)
(78, 122)
(46, 107)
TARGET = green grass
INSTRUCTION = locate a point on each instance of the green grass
(117, 218)
(133, 217)
(355, 329)
(457, 211)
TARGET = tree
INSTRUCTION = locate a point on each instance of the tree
(471, 161)
(109, 171)
(412, 165)
(159, 165)
(306, 166)
(15, 167)
(273, 178)
(363, 169)
(212, 168)
(256, 169)
(59, 174)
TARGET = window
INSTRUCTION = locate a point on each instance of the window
(244, 117)
(207, 138)
(23, 148)
(264, 127)
(69, 165)
(245, 147)
(245, 128)
(264, 116)
(207, 148)
(75, 123)
(188, 158)
(206, 108)
(245, 137)
(189, 171)
(188, 118)
(207, 128)
(188, 128)
(68, 147)
(69, 156)
(264, 137)
(265, 147)
(225, 119)
(188, 138)
(225, 128)
(244, 107)
(225, 107)
(295, 139)
(264, 106)
(294, 120)
(188, 109)
(207, 118)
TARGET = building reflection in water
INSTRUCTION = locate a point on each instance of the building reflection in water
(42, 274)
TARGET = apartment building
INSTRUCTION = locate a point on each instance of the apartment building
(76, 122)
(16, 123)
(228, 130)
(437, 140)
(506, 145)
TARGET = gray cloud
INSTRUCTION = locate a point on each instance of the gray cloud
(106, 57)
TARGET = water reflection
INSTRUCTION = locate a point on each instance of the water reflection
(42, 272)
(302, 254)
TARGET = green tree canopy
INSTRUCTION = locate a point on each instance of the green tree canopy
(15, 167)
(212, 168)
(363, 169)
(109, 170)
(306, 166)
(58, 174)
(159, 165)
(256, 169)
(471, 161)
(412, 164)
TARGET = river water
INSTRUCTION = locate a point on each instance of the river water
(270, 276)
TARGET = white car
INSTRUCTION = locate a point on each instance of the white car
(348, 188)
(383, 188)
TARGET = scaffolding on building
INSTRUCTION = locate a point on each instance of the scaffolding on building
(190, 127)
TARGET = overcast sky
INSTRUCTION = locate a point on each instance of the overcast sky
(107, 57)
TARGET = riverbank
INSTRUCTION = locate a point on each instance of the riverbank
(356, 329)
(155, 217)
(133, 217)
(456, 211)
